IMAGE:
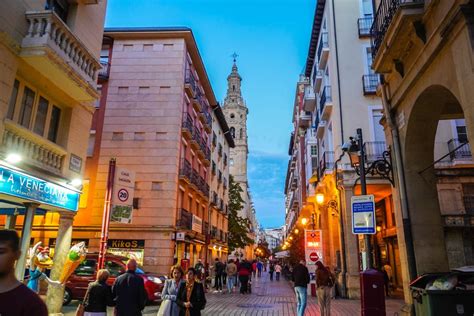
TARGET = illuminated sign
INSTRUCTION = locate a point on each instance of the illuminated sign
(313, 240)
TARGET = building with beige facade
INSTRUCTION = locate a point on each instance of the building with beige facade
(424, 50)
(155, 118)
(49, 64)
(221, 143)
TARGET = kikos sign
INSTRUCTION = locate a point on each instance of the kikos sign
(27, 187)
(126, 243)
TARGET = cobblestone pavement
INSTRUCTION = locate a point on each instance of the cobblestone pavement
(267, 299)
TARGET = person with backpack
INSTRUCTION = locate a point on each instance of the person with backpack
(324, 282)
(218, 269)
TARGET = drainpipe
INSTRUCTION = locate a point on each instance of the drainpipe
(407, 230)
(337, 69)
(341, 229)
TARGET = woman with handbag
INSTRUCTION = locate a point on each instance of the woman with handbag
(191, 298)
(168, 305)
(98, 296)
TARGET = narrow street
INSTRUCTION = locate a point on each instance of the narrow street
(267, 299)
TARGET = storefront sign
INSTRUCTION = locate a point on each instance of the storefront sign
(197, 224)
(313, 248)
(75, 163)
(363, 214)
(27, 187)
(122, 200)
(180, 236)
(126, 243)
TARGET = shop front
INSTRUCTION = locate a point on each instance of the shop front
(190, 244)
(130, 248)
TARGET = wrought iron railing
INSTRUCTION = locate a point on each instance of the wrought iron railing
(385, 13)
(370, 83)
(185, 169)
(205, 228)
(188, 123)
(364, 25)
(326, 96)
(469, 204)
(185, 220)
(191, 81)
(374, 150)
(327, 161)
(463, 151)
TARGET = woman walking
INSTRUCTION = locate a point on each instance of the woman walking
(245, 270)
(170, 291)
(98, 296)
(191, 298)
(324, 282)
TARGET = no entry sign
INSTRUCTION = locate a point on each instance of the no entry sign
(313, 257)
(313, 248)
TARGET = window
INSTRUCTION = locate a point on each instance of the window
(86, 268)
(40, 120)
(232, 115)
(461, 131)
(232, 132)
(13, 97)
(114, 268)
(91, 144)
(368, 52)
(27, 107)
(117, 136)
(233, 87)
(367, 8)
(314, 150)
(231, 161)
(241, 134)
(379, 135)
(60, 7)
(54, 124)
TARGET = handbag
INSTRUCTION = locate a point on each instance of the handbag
(81, 308)
(165, 308)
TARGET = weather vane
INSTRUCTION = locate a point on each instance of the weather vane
(234, 56)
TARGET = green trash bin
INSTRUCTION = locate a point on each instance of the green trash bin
(442, 302)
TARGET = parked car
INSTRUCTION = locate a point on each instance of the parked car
(77, 284)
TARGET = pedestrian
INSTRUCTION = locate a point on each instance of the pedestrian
(191, 298)
(218, 269)
(259, 268)
(98, 295)
(231, 270)
(245, 270)
(168, 306)
(15, 297)
(278, 271)
(386, 281)
(301, 280)
(224, 273)
(324, 282)
(129, 292)
(271, 270)
(254, 268)
(389, 284)
(237, 280)
(199, 270)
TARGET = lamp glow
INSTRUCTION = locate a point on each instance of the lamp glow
(304, 221)
(13, 158)
(297, 230)
(320, 198)
(76, 182)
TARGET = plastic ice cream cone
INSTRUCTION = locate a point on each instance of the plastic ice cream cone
(68, 269)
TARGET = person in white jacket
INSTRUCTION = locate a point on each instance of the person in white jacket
(170, 290)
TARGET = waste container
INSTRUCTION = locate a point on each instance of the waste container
(457, 301)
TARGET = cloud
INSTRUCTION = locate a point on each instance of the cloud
(267, 173)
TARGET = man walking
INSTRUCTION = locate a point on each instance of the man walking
(218, 269)
(129, 292)
(231, 271)
(15, 297)
(301, 280)
(259, 268)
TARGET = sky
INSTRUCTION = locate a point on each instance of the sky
(271, 39)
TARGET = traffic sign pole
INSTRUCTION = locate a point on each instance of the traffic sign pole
(104, 234)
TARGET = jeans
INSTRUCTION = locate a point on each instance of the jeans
(218, 282)
(278, 276)
(324, 300)
(259, 273)
(271, 275)
(244, 280)
(230, 283)
(301, 295)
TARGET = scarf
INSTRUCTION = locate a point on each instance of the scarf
(189, 290)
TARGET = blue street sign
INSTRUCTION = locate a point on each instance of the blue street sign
(30, 188)
(363, 214)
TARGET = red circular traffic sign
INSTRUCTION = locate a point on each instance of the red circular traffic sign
(313, 256)
(123, 195)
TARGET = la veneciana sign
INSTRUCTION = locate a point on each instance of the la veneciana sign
(23, 186)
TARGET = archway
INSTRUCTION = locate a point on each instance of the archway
(433, 105)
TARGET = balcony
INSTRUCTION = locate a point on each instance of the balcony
(224, 183)
(219, 150)
(320, 129)
(205, 228)
(207, 156)
(364, 25)
(370, 83)
(305, 119)
(374, 150)
(463, 151)
(35, 150)
(225, 159)
(318, 80)
(219, 176)
(53, 50)
(309, 99)
(325, 103)
(104, 70)
(213, 169)
(197, 103)
(195, 141)
(185, 170)
(215, 199)
(323, 50)
(185, 220)
(187, 128)
(190, 84)
(393, 24)
(214, 232)
(327, 162)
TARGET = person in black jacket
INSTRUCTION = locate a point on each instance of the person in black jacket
(191, 298)
(129, 292)
(98, 295)
(301, 280)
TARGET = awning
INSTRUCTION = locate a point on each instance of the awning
(282, 254)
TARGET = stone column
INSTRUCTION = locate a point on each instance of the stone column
(10, 223)
(30, 209)
(54, 298)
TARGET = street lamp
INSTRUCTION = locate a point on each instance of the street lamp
(320, 198)
(304, 221)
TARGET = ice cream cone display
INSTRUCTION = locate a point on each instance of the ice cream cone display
(75, 256)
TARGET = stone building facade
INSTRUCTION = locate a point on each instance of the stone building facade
(49, 64)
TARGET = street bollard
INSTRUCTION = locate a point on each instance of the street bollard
(372, 293)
